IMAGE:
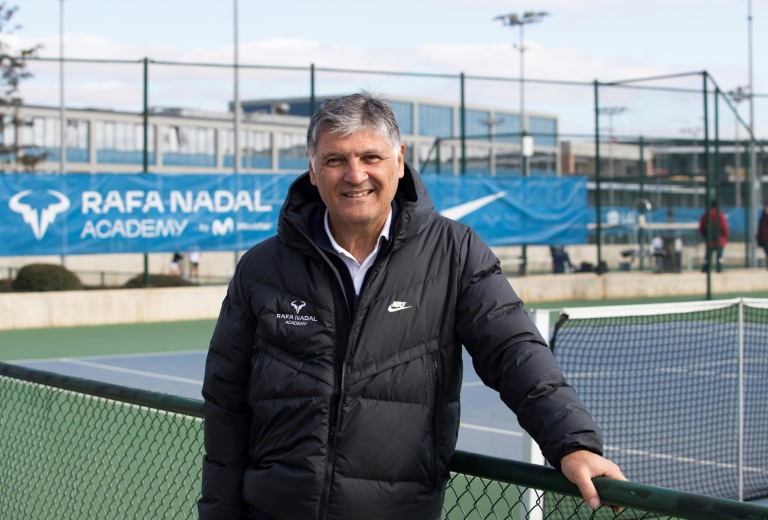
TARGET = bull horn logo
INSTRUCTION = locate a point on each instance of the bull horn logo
(298, 306)
(39, 220)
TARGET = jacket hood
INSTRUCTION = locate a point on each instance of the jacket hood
(303, 200)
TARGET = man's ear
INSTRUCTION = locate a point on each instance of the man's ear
(401, 162)
(312, 176)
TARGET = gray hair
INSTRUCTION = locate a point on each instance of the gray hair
(349, 114)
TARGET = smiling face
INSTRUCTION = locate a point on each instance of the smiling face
(357, 178)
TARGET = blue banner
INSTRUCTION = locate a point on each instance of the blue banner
(52, 214)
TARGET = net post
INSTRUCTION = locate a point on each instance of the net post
(740, 454)
(531, 453)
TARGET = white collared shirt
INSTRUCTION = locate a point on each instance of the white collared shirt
(356, 269)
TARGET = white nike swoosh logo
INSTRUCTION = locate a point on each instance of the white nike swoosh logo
(462, 210)
(395, 309)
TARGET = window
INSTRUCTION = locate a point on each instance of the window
(404, 116)
(544, 130)
(435, 121)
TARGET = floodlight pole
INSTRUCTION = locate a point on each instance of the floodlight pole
(491, 123)
(738, 95)
(755, 181)
(237, 95)
(610, 112)
(526, 143)
(515, 20)
(694, 133)
(62, 115)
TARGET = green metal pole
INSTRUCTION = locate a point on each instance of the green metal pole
(641, 167)
(463, 122)
(640, 238)
(311, 89)
(708, 187)
(716, 171)
(598, 209)
(145, 154)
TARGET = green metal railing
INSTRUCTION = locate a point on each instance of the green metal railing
(80, 449)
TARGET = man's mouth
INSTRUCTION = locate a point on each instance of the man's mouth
(357, 194)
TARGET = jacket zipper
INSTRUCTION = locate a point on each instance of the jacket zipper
(435, 421)
(335, 414)
(335, 419)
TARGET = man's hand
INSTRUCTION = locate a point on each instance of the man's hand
(580, 467)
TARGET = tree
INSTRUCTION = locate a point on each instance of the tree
(13, 70)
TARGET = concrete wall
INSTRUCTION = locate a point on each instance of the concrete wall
(616, 285)
(97, 307)
(100, 307)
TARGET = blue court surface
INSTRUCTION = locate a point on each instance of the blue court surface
(487, 426)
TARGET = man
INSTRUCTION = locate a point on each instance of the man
(561, 261)
(713, 227)
(762, 232)
(333, 376)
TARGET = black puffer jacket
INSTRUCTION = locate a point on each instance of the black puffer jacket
(314, 411)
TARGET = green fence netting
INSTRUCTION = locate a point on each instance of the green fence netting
(77, 449)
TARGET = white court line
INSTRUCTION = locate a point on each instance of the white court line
(490, 430)
(131, 371)
(473, 383)
(111, 356)
(688, 460)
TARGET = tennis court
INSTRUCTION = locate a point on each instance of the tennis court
(660, 432)
(170, 358)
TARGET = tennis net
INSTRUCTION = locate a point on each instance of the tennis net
(680, 390)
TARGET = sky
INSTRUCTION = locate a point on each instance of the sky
(578, 41)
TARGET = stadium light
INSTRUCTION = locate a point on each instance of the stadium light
(513, 20)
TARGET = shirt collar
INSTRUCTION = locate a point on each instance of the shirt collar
(385, 233)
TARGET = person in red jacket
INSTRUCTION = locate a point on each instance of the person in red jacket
(714, 227)
(762, 232)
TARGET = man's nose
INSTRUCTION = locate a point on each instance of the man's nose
(355, 173)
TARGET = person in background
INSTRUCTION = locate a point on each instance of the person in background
(713, 222)
(194, 265)
(334, 371)
(762, 232)
(174, 267)
(658, 253)
(561, 262)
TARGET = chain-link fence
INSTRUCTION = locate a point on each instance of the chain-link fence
(655, 151)
(79, 449)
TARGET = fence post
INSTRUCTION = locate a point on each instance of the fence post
(145, 154)
(463, 124)
(598, 209)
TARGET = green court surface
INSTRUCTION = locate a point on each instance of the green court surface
(100, 340)
(194, 335)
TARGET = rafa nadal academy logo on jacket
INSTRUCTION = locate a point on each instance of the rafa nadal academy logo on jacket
(38, 218)
(298, 319)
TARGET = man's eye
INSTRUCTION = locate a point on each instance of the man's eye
(372, 158)
(333, 161)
